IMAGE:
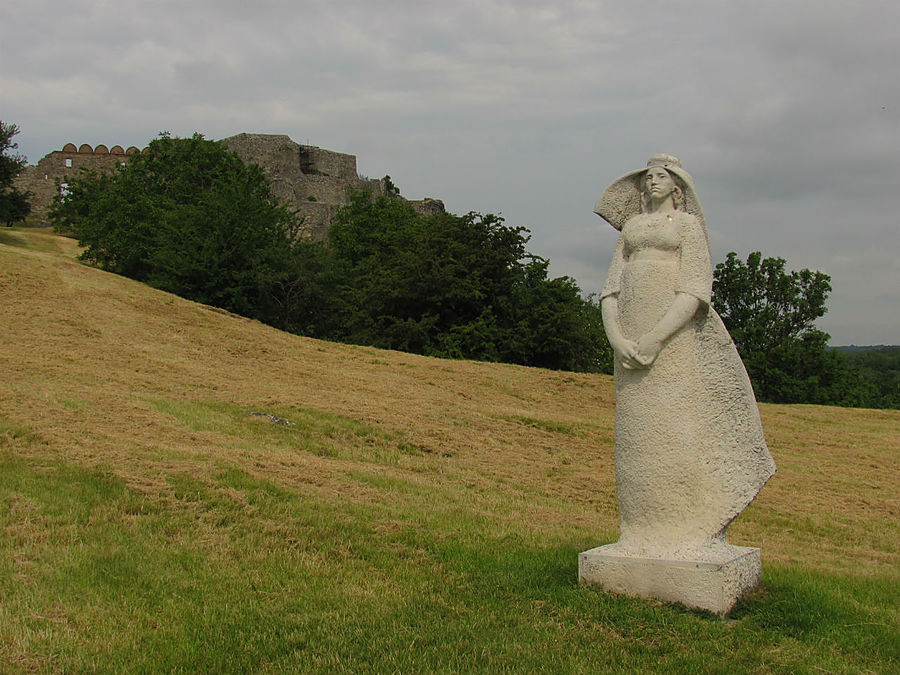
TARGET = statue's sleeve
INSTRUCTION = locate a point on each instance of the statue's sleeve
(695, 267)
(614, 276)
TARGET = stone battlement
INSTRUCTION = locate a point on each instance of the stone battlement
(56, 167)
(85, 149)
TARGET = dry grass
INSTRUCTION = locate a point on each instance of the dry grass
(87, 353)
(106, 374)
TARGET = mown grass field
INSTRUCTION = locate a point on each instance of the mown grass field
(416, 515)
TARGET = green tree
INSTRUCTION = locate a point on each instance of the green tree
(14, 204)
(190, 218)
(880, 368)
(457, 287)
(770, 313)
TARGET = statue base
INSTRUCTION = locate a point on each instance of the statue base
(713, 586)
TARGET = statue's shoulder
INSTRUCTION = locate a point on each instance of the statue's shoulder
(687, 221)
(636, 219)
(685, 218)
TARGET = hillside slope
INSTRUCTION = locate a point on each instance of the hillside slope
(90, 355)
(175, 409)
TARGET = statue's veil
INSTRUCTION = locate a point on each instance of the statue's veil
(622, 200)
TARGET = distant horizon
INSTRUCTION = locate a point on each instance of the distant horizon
(855, 346)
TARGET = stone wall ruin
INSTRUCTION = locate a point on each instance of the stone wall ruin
(310, 180)
(52, 172)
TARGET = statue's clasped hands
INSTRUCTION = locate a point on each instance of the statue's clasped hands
(641, 353)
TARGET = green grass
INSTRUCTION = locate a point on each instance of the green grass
(306, 430)
(12, 433)
(238, 573)
(547, 425)
(28, 238)
(415, 515)
(12, 238)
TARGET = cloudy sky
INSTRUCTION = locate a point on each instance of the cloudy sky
(787, 113)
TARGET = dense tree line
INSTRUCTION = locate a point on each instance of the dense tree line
(190, 218)
(770, 315)
(880, 366)
(457, 286)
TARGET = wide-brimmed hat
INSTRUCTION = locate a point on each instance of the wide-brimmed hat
(622, 200)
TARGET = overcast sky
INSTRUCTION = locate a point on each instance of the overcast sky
(786, 113)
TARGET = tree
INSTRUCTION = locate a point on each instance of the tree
(457, 287)
(14, 205)
(880, 370)
(770, 315)
(190, 218)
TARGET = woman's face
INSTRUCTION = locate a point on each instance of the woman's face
(658, 183)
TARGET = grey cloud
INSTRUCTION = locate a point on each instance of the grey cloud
(787, 115)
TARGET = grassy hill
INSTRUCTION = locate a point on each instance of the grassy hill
(184, 489)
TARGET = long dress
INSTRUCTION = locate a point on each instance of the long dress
(690, 451)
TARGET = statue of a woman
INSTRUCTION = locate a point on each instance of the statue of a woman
(690, 451)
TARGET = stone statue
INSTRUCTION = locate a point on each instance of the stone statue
(690, 452)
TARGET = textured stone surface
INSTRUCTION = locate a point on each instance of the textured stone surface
(713, 586)
(690, 450)
(58, 166)
(311, 180)
(308, 179)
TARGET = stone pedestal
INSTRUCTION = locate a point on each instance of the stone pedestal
(713, 586)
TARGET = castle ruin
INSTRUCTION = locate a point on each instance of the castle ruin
(52, 173)
(310, 180)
